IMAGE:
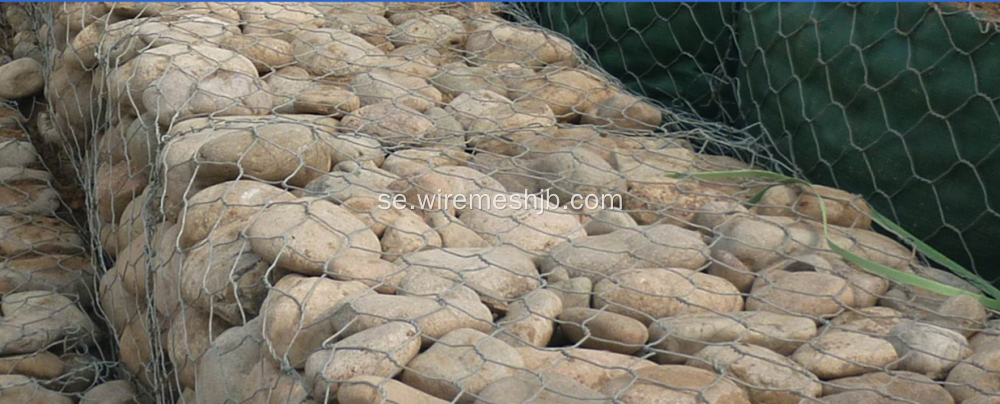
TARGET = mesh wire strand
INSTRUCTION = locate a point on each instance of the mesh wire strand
(47, 279)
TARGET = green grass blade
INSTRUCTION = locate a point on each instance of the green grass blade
(910, 279)
(738, 174)
(934, 255)
(868, 265)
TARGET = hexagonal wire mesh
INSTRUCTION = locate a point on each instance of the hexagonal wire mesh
(50, 345)
(893, 101)
(444, 202)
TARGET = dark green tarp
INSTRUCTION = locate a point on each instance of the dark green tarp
(672, 52)
(894, 101)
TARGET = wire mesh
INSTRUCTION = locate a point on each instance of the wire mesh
(51, 344)
(895, 102)
(445, 202)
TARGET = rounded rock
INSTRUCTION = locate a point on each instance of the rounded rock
(677, 338)
(770, 377)
(839, 354)
(306, 235)
(229, 361)
(589, 367)
(432, 317)
(979, 374)
(538, 227)
(649, 294)
(530, 320)
(461, 364)
(573, 292)
(297, 314)
(531, 389)
(372, 389)
(623, 112)
(674, 384)
(598, 329)
(34, 320)
(600, 257)
(228, 202)
(21, 78)
(876, 321)
(813, 294)
(928, 349)
(382, 351)
(19, 389)
(901, 385)
(113, 392)
(41, 365)
(498, 274)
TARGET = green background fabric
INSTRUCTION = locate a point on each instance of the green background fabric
(672, 52)
(896, 102)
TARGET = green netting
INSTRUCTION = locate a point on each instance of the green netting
(901, 108)
(896, 102)
(676, 53)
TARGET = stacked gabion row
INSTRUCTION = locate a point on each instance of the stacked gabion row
(54, 348)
